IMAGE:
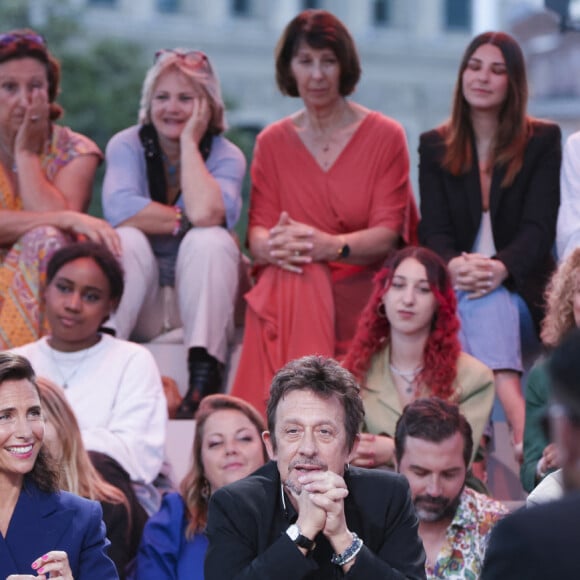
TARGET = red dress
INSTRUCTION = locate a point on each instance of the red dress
(291, 315)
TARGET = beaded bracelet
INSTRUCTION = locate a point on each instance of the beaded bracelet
(178, 216)
(350, 553)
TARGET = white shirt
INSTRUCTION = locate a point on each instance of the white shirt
(115, 390)
(568, 226)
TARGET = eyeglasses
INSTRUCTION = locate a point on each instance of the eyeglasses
(193, 58)
(18, 37)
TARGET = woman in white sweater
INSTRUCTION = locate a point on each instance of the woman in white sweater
(113, 386)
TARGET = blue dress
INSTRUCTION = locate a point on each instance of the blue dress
(164, 552)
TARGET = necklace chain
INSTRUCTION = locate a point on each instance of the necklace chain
(410, 377)
(66, 379)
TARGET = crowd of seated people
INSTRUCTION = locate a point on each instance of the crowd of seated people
(426, 314)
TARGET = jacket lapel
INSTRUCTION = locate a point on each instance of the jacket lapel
(38, 520)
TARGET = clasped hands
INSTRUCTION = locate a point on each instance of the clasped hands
(476, 274)
(292, 244)
(53, 564)
(320, 506)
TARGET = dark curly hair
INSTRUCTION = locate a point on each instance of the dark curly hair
(442, 349)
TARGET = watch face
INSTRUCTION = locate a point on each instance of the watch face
(345, 252)
(293, 532)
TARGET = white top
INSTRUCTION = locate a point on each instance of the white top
(484, 243)
(115, 390)
(549, 489)
(568, 227)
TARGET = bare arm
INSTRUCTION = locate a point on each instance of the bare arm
(201, 192)
(291, 244)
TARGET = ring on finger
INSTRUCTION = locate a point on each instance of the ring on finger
(34, 118)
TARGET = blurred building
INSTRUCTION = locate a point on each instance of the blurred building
(410, 49)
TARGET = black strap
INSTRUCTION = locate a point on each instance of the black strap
(154, 160)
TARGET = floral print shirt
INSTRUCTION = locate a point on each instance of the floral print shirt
(461, 557)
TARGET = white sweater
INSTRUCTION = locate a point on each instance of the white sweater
(115, 390)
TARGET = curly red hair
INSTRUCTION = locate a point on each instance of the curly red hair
(442, 348)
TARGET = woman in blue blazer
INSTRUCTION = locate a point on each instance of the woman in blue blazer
(489, 186)
(42, 530)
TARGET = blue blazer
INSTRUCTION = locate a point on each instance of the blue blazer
(42, 522)
(165, 553)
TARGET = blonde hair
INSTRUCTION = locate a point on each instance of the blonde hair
(196, 66)
(77, 473)
(195, 488)
(559, 296)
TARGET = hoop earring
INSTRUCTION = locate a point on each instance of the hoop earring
(381, 312)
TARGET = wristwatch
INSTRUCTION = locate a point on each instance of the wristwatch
(295, 534)
(344, 250)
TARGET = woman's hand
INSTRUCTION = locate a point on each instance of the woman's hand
(293, 244)
(52, 565)
(374, 450)
(33, 131)
(550, 458)
(289, 243)
(476, 274)
(94, 229)
(198, 122)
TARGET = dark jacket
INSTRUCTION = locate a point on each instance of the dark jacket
(247, 523)
(538, 543)
(523, 215)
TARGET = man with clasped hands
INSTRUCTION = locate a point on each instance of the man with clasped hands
(306, 514)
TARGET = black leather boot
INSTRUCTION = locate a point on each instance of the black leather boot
(205, 378)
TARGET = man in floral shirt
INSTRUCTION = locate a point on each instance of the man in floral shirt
(433, 445)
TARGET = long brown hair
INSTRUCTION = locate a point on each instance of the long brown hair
(514, 124)
(195, 488)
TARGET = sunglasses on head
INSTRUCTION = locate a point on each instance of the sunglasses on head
(18, 37)
(193, 58)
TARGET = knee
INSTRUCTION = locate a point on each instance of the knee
(46, 235)
(133, 241)
(213, 241)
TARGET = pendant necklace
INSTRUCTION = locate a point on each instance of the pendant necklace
(410, 377)
(66, 379)
(172, 171)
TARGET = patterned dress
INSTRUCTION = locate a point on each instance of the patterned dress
(23, 264)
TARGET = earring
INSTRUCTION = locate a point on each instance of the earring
(381, 313)
(205, 489)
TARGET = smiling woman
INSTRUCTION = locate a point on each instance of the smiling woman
(490, 192)
(173, 190)
(227, 446)
(30, 503)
